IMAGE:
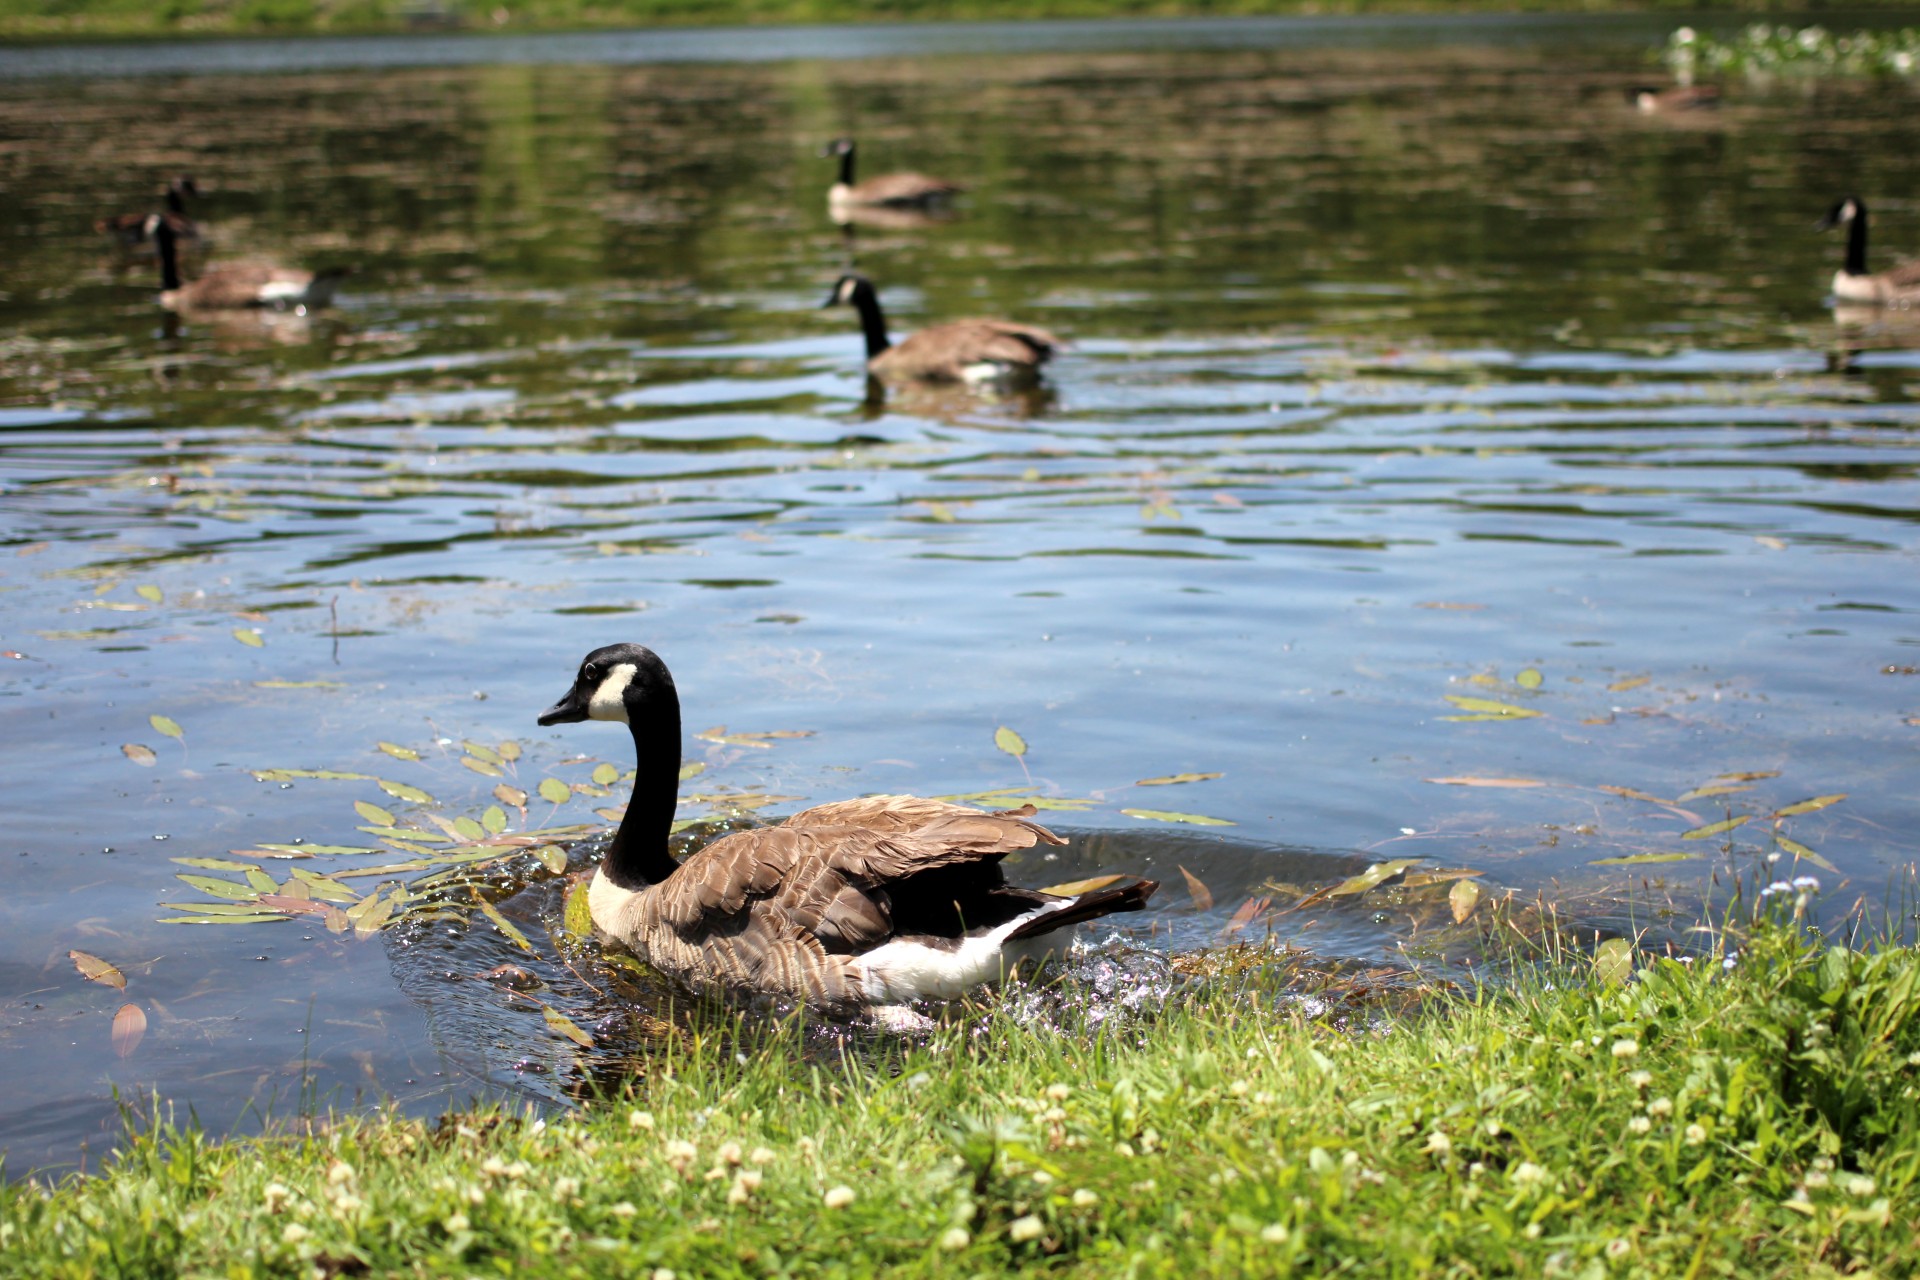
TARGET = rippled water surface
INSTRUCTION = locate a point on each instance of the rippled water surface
(1406, 368)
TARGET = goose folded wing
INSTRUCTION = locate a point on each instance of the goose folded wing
(889, 188)
(1006, 342)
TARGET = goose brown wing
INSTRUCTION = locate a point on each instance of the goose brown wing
(903, 188)
(1904, 275)
(947, 350)
(240, 285)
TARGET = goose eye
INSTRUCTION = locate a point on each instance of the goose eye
(590, 675)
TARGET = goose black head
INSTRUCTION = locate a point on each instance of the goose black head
(182, 185)
(1841, 214)
(613, 684)
(847, 290)
(838, 147)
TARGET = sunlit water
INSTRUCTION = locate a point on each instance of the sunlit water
(1408, 364)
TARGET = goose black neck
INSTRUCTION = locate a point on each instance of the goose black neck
(174, 203)
(1857, 241)
(846, 165)
(169, 261)
(873, 322)
(638, 855)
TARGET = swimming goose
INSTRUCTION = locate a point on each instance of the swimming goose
(1897, 286)
(862, 903)
(978, 349)
(129, 233)
(1685, 97)
(897, 190)
(240, 285)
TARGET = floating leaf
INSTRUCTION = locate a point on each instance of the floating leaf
(1074, 888)
(1447, 604)
(1469, 781)
(508, 794)
(309, 850)
(1808, 806)
(162, 724)
(397, 751)
(1010, 742)
(565, 1026)
(1714, 828)
(1751, 775)
(1175, 779)
(614, 815)
(1245, 915)
(411, 834)
(1420, 879)
(373, 813)
(467, 829)
(94, 969)
(481, 767)
(1529, 678)
(147, 591)
(1718, 789)
(1462, 899)
(1631, 794)
(553, 857)
(292, 905)
(503, 924)
(283, 853)
(1372, 878)
(250, 916)
(1198, 891)
(604, 774)
(1804, 854)
(217, 887)
(1640, 859)
(1613, 961)
(249, 636)
(1631, 682)
(129, 1029)
(1487, 707)
(214, 864)
(719, 734)
(329, 775)
(692, 768)
(401, 791)
(494, 820)
(554, 791)
(481, 751)
(577, 916)
(323, 887)
(509, 751)
(261, 881)
(370, 914)
(1161, 815)
(142, 756)
(247, 908)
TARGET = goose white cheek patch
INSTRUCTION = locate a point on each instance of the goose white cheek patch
(610, 699)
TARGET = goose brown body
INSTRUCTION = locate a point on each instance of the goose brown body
(1898, 286)
(240, 285)
(897, 190)
(859, 903)
(977, 349)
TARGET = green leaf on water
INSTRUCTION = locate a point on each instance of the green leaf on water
(578, 915)
(411, 834)
(1717, 789)
(1750, 775)
(1641, 859)
(614, 815)
(147, 591)
(1613, 961)
(219, 888)
(553, 857)
(373, 813)
(566, 1027)
(247, 908)
(1715, 828)
(1372, 878)
(503, 924)
(509, 751)
(692, 769)
(506, 793)
(481, 767)
(167, 726)
(370, 914)
(1462, 899)
(1010, 742)
(1175, 779)
(1804, 854)
(397, 751)
(329, 775)
(481, 751)
(604, 774)
(261, 881)
(494, 820)
(250, 637)
(1162, 815)
(316, 850)
(215, 864)
(468, 829)
(251, 917)
(324, 888)
(140, 755)
(554, 791)
(1488, 708)
(1808, 806)
(401, 791)
(1529, 678)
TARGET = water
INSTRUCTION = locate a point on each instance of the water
(1408, 362)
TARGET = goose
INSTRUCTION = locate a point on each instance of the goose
(1685, 97)
(975, 350)
(860, 904)
(895, 190)
(1897, 286)
(128, 231)
(241, 285)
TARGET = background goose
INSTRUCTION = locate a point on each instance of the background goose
(868, 902)
(1685, 97)
(897, 190)
(240, 285)
(129, 233)
(978, 349)
(1896, 286)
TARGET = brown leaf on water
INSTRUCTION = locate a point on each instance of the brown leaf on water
(1074, 888)
(1631, 794)
(1248, 912)
(1462, 899)
(1717, 789)
(1469, 781)
(1750, 775)
(506, 793)
(566, 1027)
(1808, 806)
(140, 755)
(129, 1029)
(292, 905)
(94, 969)
(1715, 828)
(1198, 891)
(1631, 682)
(1421, 879)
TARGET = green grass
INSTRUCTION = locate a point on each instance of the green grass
(1763, 1120)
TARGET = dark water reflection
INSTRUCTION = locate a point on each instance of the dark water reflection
(1398, 372)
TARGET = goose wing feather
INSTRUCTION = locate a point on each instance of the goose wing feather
(1903, 276)
(947, 350)
(242, 284)
(902, 188)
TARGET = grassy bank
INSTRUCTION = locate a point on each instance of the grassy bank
(1758, 1120)
(91, 19)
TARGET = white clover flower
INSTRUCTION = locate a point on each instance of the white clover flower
(662, 1273)
(494, 1167)
(1239, 1088)
(347, 1203)
(294, 1233)
(1858, 1185)
(516, 1170)
(954, 1239)
(760, 1155)
(639, 1119)
(475, 1193)
(1023, 1229)
(1639, 1124)
(1816, 1179)
(839, 1197)
(1640, 1079)
(681, 1154)
(1085, 1199)
(566, 1188)
(1123, 1149)
(1041, 1176)
(1625, 1049)
(1531, 1231)
(275, 1195)
(1059, 1092)
(1527, 1173)
(1660, 1107)
(1275, 1233)
(456, 1223)
(729, 1153)
(1695, 1135)
(1054, 1115)
(624, 1209)
(339, 1173)
(1438, 1143)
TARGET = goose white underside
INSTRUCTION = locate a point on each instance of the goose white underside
(910, 969)
(1875, 290)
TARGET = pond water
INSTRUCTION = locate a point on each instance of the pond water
(1416, 383)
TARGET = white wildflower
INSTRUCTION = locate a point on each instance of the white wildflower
(294, 1233)
(955, 1239)
(1660, 1107)
(566, 1188)
(1858, 1185)
(1640, 1079)
(639, 1119)
(624, 1209)
(760, 1155)
(1624, 1049)
(839, 1197)
(681, 1155)
(729, 1153)
(1527, 1173)
(494, 1167)
(456, 1223)
(1695, 1135)
(339, 1173)
(276, 1194)
(1023, 1229)
(1816, 1179)
(1639, 1124)
(1618, 1248)
(1275, 1233)
(1085, 1199)
(1059, 1092)
(1438, 1143)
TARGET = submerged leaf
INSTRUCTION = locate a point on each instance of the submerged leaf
(1808, 806)
(1462, 899)
(1248, 910)
(1372, 878)
(129, 1029)
(167, 726)
(1161, 815)
(401, 791)
(1010, 742)
(1198, 891)
(1488, 707)
(397, 751)
(142, 756)
(1175, 779)
(566, 1027)
(503, 924)
(1074, 888)
(577, 917)
(1714, 828)
(1613, 961)
(1640, 859)
(94, 969)
(1469, 781)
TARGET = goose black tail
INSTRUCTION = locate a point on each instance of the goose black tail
(1090, 906)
